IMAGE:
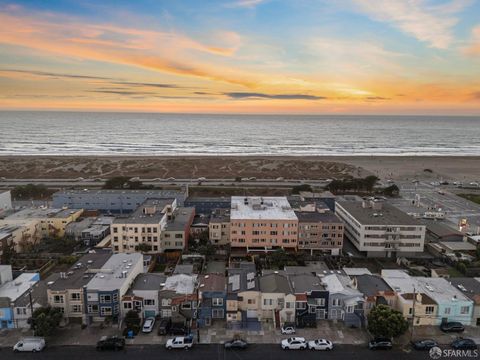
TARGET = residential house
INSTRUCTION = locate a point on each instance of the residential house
(243, 294)
(178, 298)
(375, 291)
(219, 227)
(452, 304)
(345, 302)
(11, 290)
(104, 292)
(143, 295)
(311, 296)
(277, 299)
(176, 233)
(212, 297)
(67, 290)
(470, 287)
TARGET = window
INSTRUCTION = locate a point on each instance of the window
(320, 302)
(217, 302)
(464, 310)
(105, 298)
(92, 309)
(251, 301)
(149, 302)
(350, 309)
(447, 311)
(58, 299)
(127, 305)
(76, 308)
(336, 302)
(75, 296)
(106, 311)
(115, 297)
(166, 302)
(21, 311)
(217, 313)
(267, 302)
(166, 313)
(186, 306)
(429, 310)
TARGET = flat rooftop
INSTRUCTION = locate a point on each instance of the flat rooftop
(34, 213)
(114, 272)
(386, 215)
(181, 284)
(147, 193)
(261, 208)
(148, 281)
(315, 216)
(17, 287)
(182, 217)
(81, 272)
(141, 215)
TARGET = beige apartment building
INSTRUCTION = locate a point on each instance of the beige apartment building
(320, 232)
(142, 229)
(262, 224)
(219, 227)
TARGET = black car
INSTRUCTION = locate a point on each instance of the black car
(380, 344)
(464, 344)
(111, 343)
(178, 329)
(164, 326)
(425, 344)
(452, 327)
(236, 344)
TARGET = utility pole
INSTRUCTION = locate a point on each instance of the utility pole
(31, 310)
(413, 313)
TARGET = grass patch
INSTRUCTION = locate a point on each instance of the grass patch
(454, 272)
(472, 197)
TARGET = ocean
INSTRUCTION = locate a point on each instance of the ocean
(90, 133)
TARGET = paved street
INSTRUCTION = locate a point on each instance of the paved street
(212, 352)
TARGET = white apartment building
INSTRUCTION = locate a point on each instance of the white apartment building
(380, 229)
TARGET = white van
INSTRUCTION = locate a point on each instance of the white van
(32, 344)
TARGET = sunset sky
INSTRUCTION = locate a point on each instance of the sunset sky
(242, 56)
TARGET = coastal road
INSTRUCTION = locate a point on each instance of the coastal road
(214, 352)
(207, 182)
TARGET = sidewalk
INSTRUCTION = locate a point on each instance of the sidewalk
(434, 332)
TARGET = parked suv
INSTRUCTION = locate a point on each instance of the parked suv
(164, 326)
(111, 343)
(294, 343)
(452, 327)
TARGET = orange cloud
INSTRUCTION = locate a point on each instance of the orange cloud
(161, 51)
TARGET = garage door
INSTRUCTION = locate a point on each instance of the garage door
(252, 314)
(149, 313)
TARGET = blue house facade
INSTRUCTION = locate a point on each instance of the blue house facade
(212, 294)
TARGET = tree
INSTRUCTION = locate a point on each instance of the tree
(132, 322)
(143, 248)
(392, 190)
(123, 182)
(304, 187)
(384, 321)
(46, 320)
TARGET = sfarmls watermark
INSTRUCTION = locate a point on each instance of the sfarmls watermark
(437, 353)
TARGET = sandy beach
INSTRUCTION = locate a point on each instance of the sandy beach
(264, 167)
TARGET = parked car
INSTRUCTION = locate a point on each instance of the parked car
(148, 325)
(236, 344)
(452, 327)
(294, 343)
(320, 344)
(425, 344)
(464, 344)
(380, 343)
(111, 343)
(164, 326)
(288, 329)
(31, 344)
(180, 342)
(178, 329)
